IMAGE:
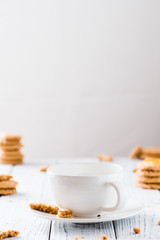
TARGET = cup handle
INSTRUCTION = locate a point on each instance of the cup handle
(121, 199)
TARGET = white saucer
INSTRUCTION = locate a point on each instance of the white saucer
(132, 208)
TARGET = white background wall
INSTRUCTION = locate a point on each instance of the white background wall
(80, 77)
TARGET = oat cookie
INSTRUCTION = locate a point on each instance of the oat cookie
(65, 214)
(136, 152)
(5, 157)
(5, 177)
(105, 158)
(11, 154)
(150, 164)
(152, 151)
(147, 173)
(142, 153)
(44, 207)
(8, 191)
(10, 137)
(11, 148)
(142, 156)
(12, 162)
(8, 234)
(8, 143)
(8, 184)
(141, 179)
(148, 185)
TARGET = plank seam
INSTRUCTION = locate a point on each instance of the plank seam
(49, 237)
(114, 228)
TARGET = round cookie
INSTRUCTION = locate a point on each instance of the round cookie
(9, 143)
(4, 156)
(144, 155)
(12, 162)
(147, 173)
(151, 151)
(8, 184)
(150, 164)
(7, 191)
(11, 153)
(11, 137)
(148, 185)
(11, 148)
(5, 177)
(148, 179)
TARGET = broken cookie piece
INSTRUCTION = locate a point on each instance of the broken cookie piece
(7, 234)
(44, 207)
(65, 214)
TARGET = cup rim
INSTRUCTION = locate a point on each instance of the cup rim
(51, 169)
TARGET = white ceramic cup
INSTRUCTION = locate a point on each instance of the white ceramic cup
(87, 188)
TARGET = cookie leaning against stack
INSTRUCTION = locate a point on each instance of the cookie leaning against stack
(10, 149)
(7, 186)
(142, 153)
(148, 173)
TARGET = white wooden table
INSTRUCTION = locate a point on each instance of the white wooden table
(15, 214)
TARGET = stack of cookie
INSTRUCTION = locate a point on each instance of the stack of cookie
(148, 174)
(7, 186)
(142, 153)
(10, 149)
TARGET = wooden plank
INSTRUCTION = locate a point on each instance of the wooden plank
(14, 210)
(68, 231)
(147, 221)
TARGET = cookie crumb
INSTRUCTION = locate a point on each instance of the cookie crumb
(137, 230)
(103, 237)
(65, 214)
(43, 169)
(83, 237)
(76, 237)
(9, 233)
(158, 222)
